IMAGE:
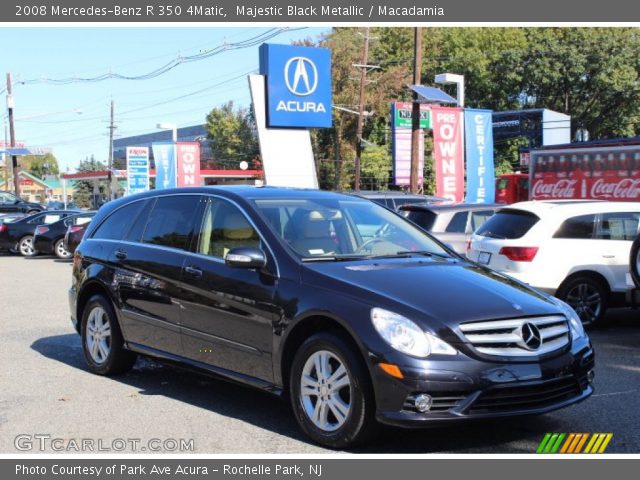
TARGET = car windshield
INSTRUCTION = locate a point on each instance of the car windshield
(337, 229)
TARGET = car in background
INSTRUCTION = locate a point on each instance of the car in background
(577, 250)
(278, 289)
(73, 236)
(394, 199)
(10, 217)
(48, 239)
(58, 205)
(452, 224)
(633, 295)
(10, 203)
(17, 236)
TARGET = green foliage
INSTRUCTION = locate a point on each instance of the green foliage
(83, 190)
(40, 165)
(375, 168)
(232, 136)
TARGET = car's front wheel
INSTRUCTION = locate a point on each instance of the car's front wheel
(102, 340)
(60, 250)
(587, 296)
(331, 392)
(25, 246)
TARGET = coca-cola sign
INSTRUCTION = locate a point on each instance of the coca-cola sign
(623, 189)
(562, 188)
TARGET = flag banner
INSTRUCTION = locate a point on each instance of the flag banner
(448, 152)
(164, 154)
(479, 149)
(188, 155)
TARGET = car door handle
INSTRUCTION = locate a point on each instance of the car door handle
(609, 255)
(195, 272)
(121, 254)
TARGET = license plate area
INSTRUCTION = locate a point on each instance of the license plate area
(484, 258)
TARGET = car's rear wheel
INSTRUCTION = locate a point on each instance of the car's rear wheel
(25, 246)
(634, 261)
(102, 341)
(587, 296)
(331, 392)
(60, 250)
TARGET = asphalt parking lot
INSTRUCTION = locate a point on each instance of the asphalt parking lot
(46, 390)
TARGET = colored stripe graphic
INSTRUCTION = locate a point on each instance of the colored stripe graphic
(573, 443)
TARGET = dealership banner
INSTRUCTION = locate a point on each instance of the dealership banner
(479, 149)
(164, 154)
(137, 170)
(188, 156)
(448, 151)
(603, 173)
(401, 128)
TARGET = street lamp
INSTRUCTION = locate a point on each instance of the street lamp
(169, 126)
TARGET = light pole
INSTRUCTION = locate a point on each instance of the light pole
(169, 126)
(453, 79)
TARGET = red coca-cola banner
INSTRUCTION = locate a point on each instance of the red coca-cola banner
(448, 152)
(602, 174)
(188, 155)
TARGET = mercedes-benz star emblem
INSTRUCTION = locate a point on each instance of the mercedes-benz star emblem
(531, 337)
(301, 76)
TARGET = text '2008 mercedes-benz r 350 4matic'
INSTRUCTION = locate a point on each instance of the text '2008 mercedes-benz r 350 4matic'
(354, 312)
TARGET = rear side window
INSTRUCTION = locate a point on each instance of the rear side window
(508, 224)
(172, 221)
(458, 223)
(618, 226)
(119, 222)
(580, 227)
(479, 217)
(422, 218)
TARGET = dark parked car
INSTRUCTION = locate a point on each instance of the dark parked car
(49, 239)
(17, 236)
(633, 296)
(393, 199)
(74, 236)
(10, 217)
(10, 203)
(279, 289)
(58, 205)
(452, 224)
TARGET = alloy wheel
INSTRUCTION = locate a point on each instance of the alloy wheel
(62, 252)
(98, 336)
(325, 390)
(26, 246)
(586, 300)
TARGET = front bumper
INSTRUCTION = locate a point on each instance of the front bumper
(466, 388)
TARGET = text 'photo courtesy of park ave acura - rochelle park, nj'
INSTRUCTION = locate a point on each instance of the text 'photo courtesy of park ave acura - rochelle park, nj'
(291, 244)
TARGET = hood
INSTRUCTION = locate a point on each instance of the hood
(445, 291)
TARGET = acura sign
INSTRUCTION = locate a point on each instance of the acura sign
(298, 81)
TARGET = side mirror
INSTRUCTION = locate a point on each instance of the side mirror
(245, 257)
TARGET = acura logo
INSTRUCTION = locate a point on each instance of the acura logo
(531, 338)
(301, 76)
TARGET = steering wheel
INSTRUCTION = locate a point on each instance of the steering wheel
(366, 246)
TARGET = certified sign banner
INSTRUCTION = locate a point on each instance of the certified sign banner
(164, 154)
(298, 81)
(479, 149)
(448, 152)
(137, 169)
(188, 155)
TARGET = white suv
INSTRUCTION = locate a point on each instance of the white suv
(575, 250)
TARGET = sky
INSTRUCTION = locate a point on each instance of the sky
(73, 118)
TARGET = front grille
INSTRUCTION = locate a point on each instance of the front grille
(440, 403)
(513, 337)
(525, 397)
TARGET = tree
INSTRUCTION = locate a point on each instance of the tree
(40, 165)
(232, 136)
(83, 189)
(376, 167)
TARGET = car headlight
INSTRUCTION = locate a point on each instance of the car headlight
(577, 329)
(407, 337)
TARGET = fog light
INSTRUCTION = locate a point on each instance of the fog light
(590, 376)
(423, 402)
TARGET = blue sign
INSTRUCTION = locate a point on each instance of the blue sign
(164, 154)
(479, 148)
(298, 85)
(137, 169)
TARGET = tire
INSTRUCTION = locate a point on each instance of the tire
(60, 251)
(102, 341)
(25, 246)
(354, 419)
(588, 296)
(634, 261)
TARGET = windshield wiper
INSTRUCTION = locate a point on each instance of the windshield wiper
(425, 253)
(333, 258)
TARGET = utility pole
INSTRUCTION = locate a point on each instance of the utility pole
(363, 84)
(4, 156)
(415, 114)
(12, 134)
(112, 127)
